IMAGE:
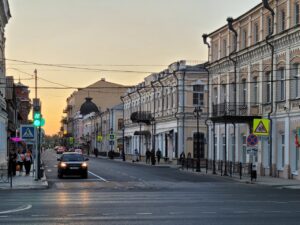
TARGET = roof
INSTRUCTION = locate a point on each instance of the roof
(88, 107)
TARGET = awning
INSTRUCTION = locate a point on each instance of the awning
(143, 132)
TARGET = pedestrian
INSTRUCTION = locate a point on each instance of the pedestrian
(135, 157)
(28, 161)
(254, 171)
(20, 161)
(96, 152)
(12, 162)
(153, 157)
(158, 155)
(182, 159)
(148, 155)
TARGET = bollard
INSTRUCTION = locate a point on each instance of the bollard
(240, 170)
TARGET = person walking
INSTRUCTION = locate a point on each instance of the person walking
(96, 152)
(28, 161)
(12, 163)
(153, 157)
(148, 155)
(20, 161)
(135, 156)
(158, 155)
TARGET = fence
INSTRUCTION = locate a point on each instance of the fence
(236, 169)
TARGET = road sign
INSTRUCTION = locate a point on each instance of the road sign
(252, 140)
(111, 137)
(261, 127)
(99, 138)
(27, 132)
(252, 150)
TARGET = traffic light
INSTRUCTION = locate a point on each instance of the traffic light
(38, 121)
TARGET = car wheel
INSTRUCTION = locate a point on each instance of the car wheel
(59, 175)
(85, 176)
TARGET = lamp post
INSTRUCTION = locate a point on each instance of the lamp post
(197, 114)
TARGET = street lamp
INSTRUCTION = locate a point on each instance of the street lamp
(197, 114)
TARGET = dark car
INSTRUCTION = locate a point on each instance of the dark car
(72, 163)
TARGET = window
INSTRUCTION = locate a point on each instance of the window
(224, 47)
(120, 124)
(269, 25)
(295, 81)
(244, 39)
(244, 92)
(198, 95)
(281, 84)
(215, 95)
(297, 13)
(255, 90)
(282, 20)
(256, 33)
(234, 42)
(223, 93)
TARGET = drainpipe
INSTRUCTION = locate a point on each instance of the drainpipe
(205, 36)
(130, 116)
(140, 110)
(153, 121)
(123, 129)
(230, 27)
(177, 118)
(267, 6)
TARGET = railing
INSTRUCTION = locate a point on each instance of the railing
(232, 109)
(142, 117)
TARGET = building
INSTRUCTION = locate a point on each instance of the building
(159, 112)
(5, 16)
(24, 102)
(104, 94)
(249, 80)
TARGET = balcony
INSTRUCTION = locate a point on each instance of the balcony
(142, 117)
(235, 113)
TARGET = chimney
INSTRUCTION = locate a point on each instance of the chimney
(103, 79)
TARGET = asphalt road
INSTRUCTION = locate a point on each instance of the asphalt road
(127, 193)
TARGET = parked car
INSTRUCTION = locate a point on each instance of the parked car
(60, 150)
(72, 163)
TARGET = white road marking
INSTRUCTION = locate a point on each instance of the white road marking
(39, 215)
(22, 208)
(49, 170)
(174, 213)
(101, 178)
(143, 213)
(209, 212)
(3, 216)
(78, 214)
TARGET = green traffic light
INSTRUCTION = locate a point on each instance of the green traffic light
(37, 123)
(36, 115)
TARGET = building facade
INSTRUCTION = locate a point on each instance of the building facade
(159, 112)
(248, 80)
(5, 16)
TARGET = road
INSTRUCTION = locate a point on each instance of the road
(129, 193)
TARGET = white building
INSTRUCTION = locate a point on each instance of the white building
(159, 112)
(258, 93)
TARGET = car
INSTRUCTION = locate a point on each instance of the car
(78, 150)
(72, 163)
(60, 150)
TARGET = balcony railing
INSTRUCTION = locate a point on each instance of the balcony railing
(232, 109)
(142, 117)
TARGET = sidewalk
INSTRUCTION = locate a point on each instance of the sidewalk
(261, 180)
(24, 182)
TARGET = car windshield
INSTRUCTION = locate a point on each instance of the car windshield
(72, 157)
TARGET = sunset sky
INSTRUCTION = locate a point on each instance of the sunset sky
(135, 35)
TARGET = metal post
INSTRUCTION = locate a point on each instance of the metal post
(198, 142)
(214, 147)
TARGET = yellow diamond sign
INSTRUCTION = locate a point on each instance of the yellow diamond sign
(261, 127)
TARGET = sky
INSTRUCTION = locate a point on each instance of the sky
(141, 36)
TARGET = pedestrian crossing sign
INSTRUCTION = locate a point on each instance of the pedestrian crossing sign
(261, 127)
(27, 132)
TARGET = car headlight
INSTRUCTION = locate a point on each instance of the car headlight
(84, 164)
(63, 165)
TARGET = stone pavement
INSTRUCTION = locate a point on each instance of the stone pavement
(23, 182)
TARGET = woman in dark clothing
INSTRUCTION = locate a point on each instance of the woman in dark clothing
(28, 162)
